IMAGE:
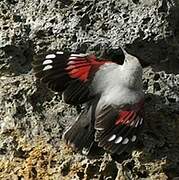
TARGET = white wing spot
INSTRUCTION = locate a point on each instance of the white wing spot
(134, 137)
(50, 56)
(100, 129)
(59, 52)
(125, 141)
(47, 67)
(112, 138)
(118, 140)
(79, 55)
(48, 61)
(141, 121)
(72, 57)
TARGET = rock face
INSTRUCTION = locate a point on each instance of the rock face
(32, 118)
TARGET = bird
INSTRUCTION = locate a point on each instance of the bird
(111, 91)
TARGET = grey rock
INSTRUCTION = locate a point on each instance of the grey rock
(32, 118)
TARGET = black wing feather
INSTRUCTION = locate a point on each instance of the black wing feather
(58, 79)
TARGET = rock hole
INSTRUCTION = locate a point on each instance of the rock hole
(80, 175)
(143, 174)
(146, 20)
(34, 172)
(157, 86)
(4, 11)
(135, 1)
(157, 77)
(171, 100)
(145, 85)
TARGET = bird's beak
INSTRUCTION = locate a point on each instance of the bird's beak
(142, 62)
(125, 54)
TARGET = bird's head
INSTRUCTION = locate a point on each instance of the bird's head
(109, 53)
(115, 54)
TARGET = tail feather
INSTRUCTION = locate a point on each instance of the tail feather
(81, 134)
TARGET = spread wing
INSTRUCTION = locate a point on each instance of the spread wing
(68, 73)
(117, 130)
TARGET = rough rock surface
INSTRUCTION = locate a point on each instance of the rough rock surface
(32, 118)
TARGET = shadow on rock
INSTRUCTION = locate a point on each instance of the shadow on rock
(162, 54)
(160, 135)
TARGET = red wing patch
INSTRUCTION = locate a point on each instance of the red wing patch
(126, 117)
(79, 71)
(80, 67)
